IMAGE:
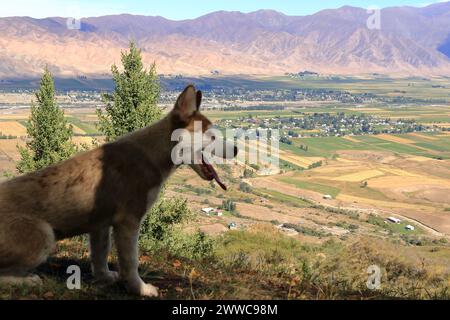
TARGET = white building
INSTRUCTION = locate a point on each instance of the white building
(208, 210)
(394, 220)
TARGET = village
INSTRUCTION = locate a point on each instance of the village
(326, 124)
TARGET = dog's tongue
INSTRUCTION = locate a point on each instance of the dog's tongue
(214, 173)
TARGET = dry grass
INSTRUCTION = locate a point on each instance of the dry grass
(80, 140)
(9, 148)
(349, 138)
(261, 263)
(395, 139)
(78, 130)
(303, 162)
(422, 136)
(360, 176)
(12, 128)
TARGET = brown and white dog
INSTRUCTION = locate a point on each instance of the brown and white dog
(111, 186)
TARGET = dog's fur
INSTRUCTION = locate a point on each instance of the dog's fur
(111, 186)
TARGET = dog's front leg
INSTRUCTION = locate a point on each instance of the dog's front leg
(126, 236)
(100, 246)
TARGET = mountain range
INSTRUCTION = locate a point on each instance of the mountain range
(410, 41)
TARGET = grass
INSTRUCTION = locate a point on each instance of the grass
(328, 146)
(323, 189)
(89, 128)
(261, 263)
(281, 197)
(395, 228)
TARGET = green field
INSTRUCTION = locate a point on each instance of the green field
(282, 197)
(413, 87)
(328, 146)
(88, 127)
(324, 189)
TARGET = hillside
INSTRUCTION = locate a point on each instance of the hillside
(410, 41)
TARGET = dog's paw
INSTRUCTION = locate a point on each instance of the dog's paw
(107, 277)
(147, 290)
(138, 287)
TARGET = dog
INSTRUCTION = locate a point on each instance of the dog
(110, 187)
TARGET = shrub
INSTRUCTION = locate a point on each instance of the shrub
(228, 205)
(248, 173)
(245, 187)
(162, 230)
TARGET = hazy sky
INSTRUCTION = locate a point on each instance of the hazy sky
(180, 9)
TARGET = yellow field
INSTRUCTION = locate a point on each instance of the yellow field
(419, 159)
(407, 181)
(80, 140)
(349, 138)
(303, 162)
(415, 134)
(399, 172)
(14, 116)
(359, 176)
(9, 148)
(78, 130)
(394, 139)
(380, 203)
(12, 128)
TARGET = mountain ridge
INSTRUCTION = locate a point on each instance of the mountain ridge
(411, 41)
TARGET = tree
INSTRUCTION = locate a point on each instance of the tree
(228, 205)
(133, 104)
(50, 136)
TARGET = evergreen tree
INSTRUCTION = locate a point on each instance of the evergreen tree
(133, 104)
(50, 136)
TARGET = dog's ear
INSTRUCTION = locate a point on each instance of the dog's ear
(199, 99)
(187, 103)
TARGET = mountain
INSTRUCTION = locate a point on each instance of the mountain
(411, 41)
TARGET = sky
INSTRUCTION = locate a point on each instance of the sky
(181, 9)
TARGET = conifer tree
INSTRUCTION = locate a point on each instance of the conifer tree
(49, 134)
(133, 104)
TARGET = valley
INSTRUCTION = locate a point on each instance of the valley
(367, 175)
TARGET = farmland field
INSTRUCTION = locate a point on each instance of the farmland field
(406, 175)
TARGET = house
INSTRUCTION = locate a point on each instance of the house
(327, 197)
(394, 220)
(410, 227)
(208, 210)
(212, 211)
(232, 226)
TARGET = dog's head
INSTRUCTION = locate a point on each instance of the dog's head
(186, 115)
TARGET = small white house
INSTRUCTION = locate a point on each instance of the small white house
(410, 227)
(327, 197)
(208, 210)
(394, 220)
(232, 226)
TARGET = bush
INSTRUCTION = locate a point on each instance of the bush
(248, 173)
(163, 216)
(245, 187)
(228, 205)
(315, 165)
(161, 230)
